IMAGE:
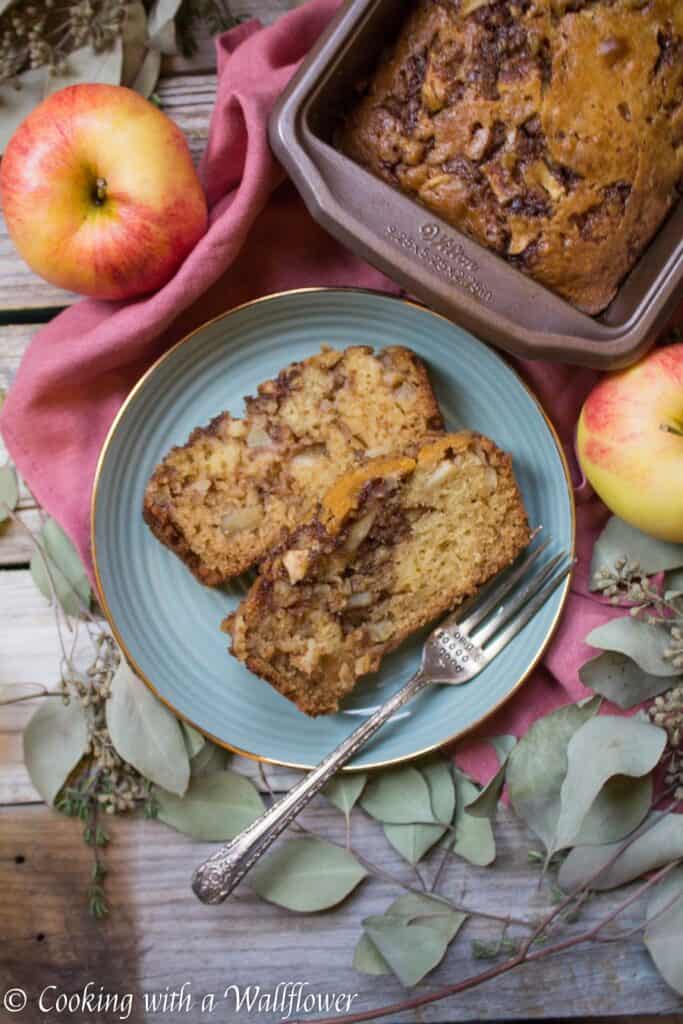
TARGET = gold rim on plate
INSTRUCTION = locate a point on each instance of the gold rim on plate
(119, 639)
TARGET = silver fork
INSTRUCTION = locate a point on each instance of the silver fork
(454, 653)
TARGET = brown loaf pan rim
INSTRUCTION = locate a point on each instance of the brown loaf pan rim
(433, 261)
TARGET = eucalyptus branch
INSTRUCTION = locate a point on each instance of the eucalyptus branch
(32, 696)
(386, 876)
(524, 956)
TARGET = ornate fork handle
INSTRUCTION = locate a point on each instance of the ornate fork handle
(214, 880)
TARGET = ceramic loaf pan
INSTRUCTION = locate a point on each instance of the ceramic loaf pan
(432, 260)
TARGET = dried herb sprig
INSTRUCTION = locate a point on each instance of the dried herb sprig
(627, 584)
(215, 14)
(43, 35)
(103, 782)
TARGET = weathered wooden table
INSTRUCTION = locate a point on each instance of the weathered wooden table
(158, 936)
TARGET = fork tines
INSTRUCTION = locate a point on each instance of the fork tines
(495, 615)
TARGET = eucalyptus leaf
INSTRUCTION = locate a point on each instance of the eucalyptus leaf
(618, 809)
(216, 806)
(643, 643)
(307, 875)
(165, 40)
(410, 939)
(411, 952)
(414, 840)
(194, 740)
(161, 25)
(344, 790)
(618, 678)
(485, 804)
(84, 65)
(399, 796)
(656, 843)
(134, 39)
(65, 567)
(145, 81)
(619, 540)
(9, 491)
(211, 758)
(145, 733)
(367, 958)
(55, 740)
(600, 749)
(161, 12)
(473, 836)
(538, 764)
(17, 104)
(664, 933)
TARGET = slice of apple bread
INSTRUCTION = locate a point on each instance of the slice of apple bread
(223, 500)
(396, 543)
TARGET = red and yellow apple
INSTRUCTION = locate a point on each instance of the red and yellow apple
(630, 443)
(99, 192)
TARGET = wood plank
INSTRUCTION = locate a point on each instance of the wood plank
(158, 935)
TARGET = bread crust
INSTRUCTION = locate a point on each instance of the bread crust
(218, 458)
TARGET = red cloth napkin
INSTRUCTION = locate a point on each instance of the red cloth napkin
(79, 368)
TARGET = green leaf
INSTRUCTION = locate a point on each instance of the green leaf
(600, 749)
(17, 104)
(145, 81)
(216, 806)
(485, 804)
(538, 764)
(134, 39)
(84, 65)
(617, 810)
(367, 958)
(307, 875)
(399, 796)
(55, 740)
(410, 939)
(619, 540)
(9, 491)
(145, 733)
(194, 740)
(473, 836)
(619, 679)
(664, 933)
(211, 758)
(344, 789)
(643, 643)
(412, 841)
(68, 575)
(658, 841)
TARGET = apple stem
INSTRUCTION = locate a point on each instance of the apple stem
(100, 191)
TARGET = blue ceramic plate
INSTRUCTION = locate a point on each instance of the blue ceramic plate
(168, 623)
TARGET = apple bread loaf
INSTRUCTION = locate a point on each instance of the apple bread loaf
(223, 500)
(396, 543)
